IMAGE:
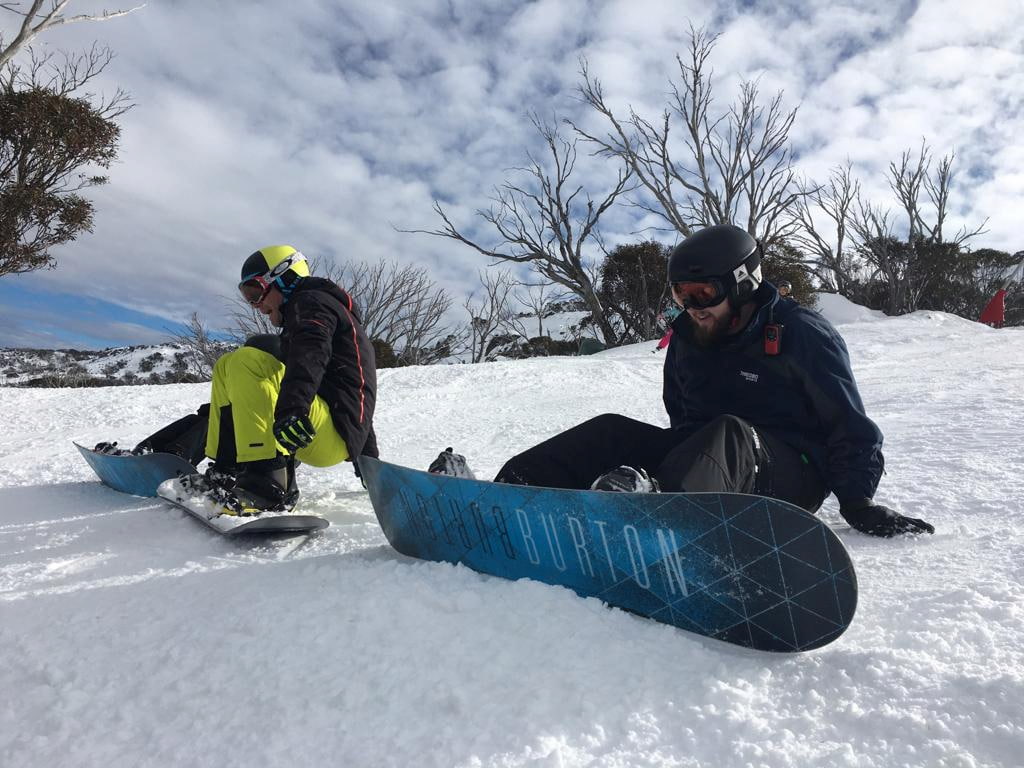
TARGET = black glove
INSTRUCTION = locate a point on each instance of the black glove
(294, 432)
(879, 520)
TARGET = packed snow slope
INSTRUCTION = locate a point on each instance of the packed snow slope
(130, 635)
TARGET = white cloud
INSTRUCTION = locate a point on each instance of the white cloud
(325, 123)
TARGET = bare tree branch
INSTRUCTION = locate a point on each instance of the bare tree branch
(830, 259)
(538, 297)
(546, 221)
(66, 77)
(491, 313)
(36, 21)
(201, 349)
(245, 320)
(736, 167)
(908, 178)
(399, 305)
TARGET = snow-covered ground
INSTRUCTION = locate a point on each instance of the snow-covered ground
(132, 636)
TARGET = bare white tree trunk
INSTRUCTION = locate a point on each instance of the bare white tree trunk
(38, 19)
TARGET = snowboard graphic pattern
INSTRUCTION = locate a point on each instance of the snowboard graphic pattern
(748, 570)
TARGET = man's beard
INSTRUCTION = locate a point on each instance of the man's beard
(710, 336)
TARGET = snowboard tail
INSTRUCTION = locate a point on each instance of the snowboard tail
(137, 475)
(748, 570)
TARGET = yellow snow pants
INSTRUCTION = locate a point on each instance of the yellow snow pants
(249, 380)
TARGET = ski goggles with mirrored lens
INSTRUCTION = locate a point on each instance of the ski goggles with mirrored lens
(707, 293)
(255, 290)
(266, 281)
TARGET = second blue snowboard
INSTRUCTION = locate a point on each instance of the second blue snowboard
(748, 570)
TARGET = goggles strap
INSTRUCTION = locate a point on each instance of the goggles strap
(276, 272)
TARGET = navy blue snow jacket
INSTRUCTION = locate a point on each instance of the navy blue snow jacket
(805, 396)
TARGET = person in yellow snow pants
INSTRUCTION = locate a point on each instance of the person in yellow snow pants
(240, 437)
(316, 407)
(246, 383)
(306, 394)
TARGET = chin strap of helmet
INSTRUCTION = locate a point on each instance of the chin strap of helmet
(278, 273)
(286, 290)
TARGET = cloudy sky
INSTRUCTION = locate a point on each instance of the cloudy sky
(331, 124)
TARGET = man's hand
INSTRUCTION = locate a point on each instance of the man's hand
(294, 432)
(879, 520)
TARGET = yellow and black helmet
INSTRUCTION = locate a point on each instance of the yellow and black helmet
(275, 265)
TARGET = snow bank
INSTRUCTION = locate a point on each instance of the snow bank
(841, 311)
(133, 636)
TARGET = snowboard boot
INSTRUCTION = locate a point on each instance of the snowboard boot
(451, 464)
(265, 486)
(626, 480)
(199, 484)
(222, 474)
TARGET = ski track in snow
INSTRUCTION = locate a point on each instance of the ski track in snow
(132, 636)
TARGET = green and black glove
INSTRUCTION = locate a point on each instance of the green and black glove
(878, 520)
(294, 432)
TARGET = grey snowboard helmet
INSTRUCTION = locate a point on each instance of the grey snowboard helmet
(723, 260)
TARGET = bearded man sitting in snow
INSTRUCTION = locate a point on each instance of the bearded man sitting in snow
(760, 396)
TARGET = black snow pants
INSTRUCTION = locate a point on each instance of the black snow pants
(728, 454)
(185, 437)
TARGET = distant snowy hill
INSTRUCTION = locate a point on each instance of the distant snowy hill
(133, 636)
(149, 364)
(168, 363)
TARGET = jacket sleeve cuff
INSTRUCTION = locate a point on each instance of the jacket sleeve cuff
(853, 504)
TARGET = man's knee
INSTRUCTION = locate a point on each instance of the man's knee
(729, 428)
(512, 472)
(720, 456)
(247, 361)
(728, 422)
(611, 422)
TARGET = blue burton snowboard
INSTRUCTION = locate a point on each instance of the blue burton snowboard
(137, 475)
(154, 474)
(749, 570)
